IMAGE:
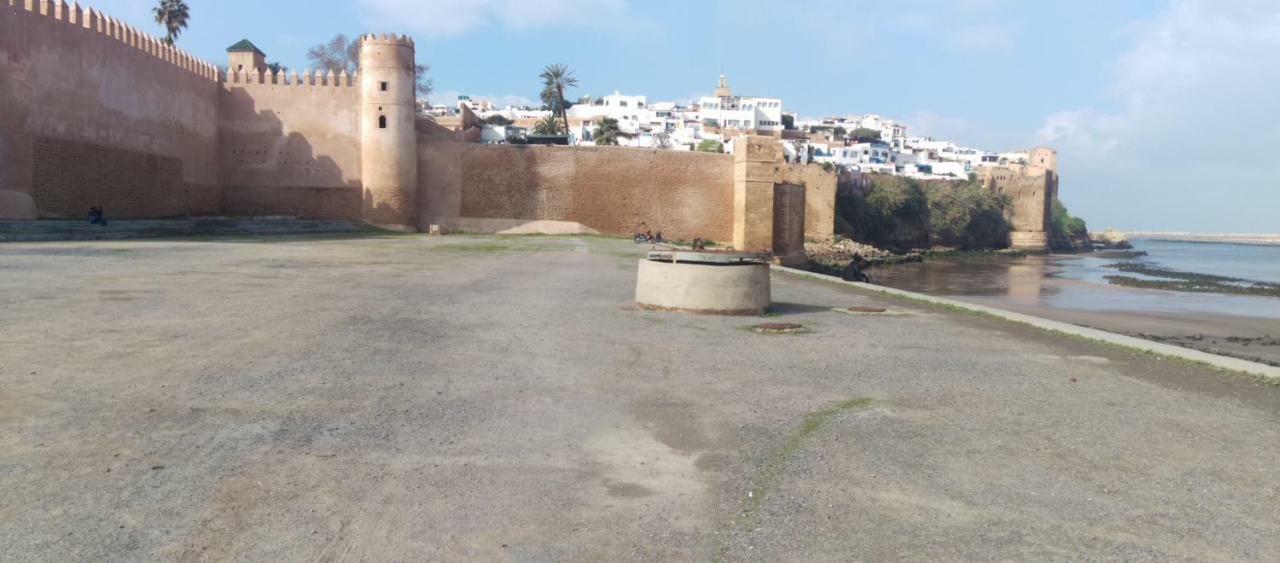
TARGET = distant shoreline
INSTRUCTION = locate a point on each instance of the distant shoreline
(1228, 238)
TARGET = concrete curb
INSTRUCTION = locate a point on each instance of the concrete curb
(1266, 372)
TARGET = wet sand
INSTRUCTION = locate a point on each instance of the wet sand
(1247, 338)
(1070, 289)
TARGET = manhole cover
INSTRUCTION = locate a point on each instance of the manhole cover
(778, 328)
(866, 309)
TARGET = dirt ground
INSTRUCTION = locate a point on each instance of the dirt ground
(409, 398)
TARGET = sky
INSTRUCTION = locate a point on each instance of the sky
(1165, 113)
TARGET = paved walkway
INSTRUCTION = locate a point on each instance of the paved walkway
(486, 397)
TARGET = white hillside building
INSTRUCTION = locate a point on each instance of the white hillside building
(745, 113)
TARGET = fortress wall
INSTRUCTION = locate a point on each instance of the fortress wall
(819, 197)
(608, 189)
(290, 146)
(1030, 195)
(93, 112)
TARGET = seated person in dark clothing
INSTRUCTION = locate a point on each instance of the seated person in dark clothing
(854, 271)
(96, 216)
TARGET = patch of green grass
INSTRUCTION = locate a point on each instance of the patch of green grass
(974, 254)
(775, 465)
(1119, 254)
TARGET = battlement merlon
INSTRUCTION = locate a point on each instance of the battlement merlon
(319, 78)
(386, 39)
(74, 19)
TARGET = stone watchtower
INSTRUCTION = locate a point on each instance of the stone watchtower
(388, 154)
(244, 55)
(1031, 187)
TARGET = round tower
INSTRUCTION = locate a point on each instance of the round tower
(389, 144)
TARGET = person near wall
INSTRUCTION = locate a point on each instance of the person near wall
(854, 271)
(97, 217)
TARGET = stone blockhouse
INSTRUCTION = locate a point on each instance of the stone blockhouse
(94, 112)
(1031, 187)
(244, 55)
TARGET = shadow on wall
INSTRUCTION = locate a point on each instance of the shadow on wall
(266, 171)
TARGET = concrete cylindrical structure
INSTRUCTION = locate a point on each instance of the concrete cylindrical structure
(723, 289)
(389, 145)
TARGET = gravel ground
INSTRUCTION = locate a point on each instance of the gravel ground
(457, 397)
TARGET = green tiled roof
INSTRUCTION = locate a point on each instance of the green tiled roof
(244, 46)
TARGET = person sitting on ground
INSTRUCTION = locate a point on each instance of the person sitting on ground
(854, 271)
(96, 216)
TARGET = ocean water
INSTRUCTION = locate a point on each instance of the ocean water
(1078, 281)
(1246, 261)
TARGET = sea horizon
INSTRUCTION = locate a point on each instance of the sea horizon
(1192, 236)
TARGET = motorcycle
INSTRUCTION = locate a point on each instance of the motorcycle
(648, 237)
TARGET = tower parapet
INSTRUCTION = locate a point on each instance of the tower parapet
(388, 153)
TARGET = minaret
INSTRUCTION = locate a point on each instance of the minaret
(722, 89)
(389, 145)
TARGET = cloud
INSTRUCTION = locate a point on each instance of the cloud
(1189, 127)
(443, 18)
(1083, 132)
(966, 25)
(983, 37)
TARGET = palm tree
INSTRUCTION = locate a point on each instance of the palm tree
(547, 126)
(557, 78)
(173, 15)
(607, 132)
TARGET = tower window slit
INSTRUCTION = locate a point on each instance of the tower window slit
(382, 122)
(382, 86)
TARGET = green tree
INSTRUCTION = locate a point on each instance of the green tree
(548, 125)
(557, 78)
(173, 15)
(889, 211)
(788, 121)
(838, 132)
(711, 145)
(863, 135)
(498, 119)
(1062, 224)
(967, 215)
(903, 213)
(607, 132)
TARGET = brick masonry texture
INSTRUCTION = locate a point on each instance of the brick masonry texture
(613, 190)
(299, 201)
(70, 176)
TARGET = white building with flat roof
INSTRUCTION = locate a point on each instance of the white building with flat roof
(745, 113)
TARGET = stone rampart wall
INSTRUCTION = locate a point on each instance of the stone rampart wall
(84, 99)
(610, 190)
(290, 147)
